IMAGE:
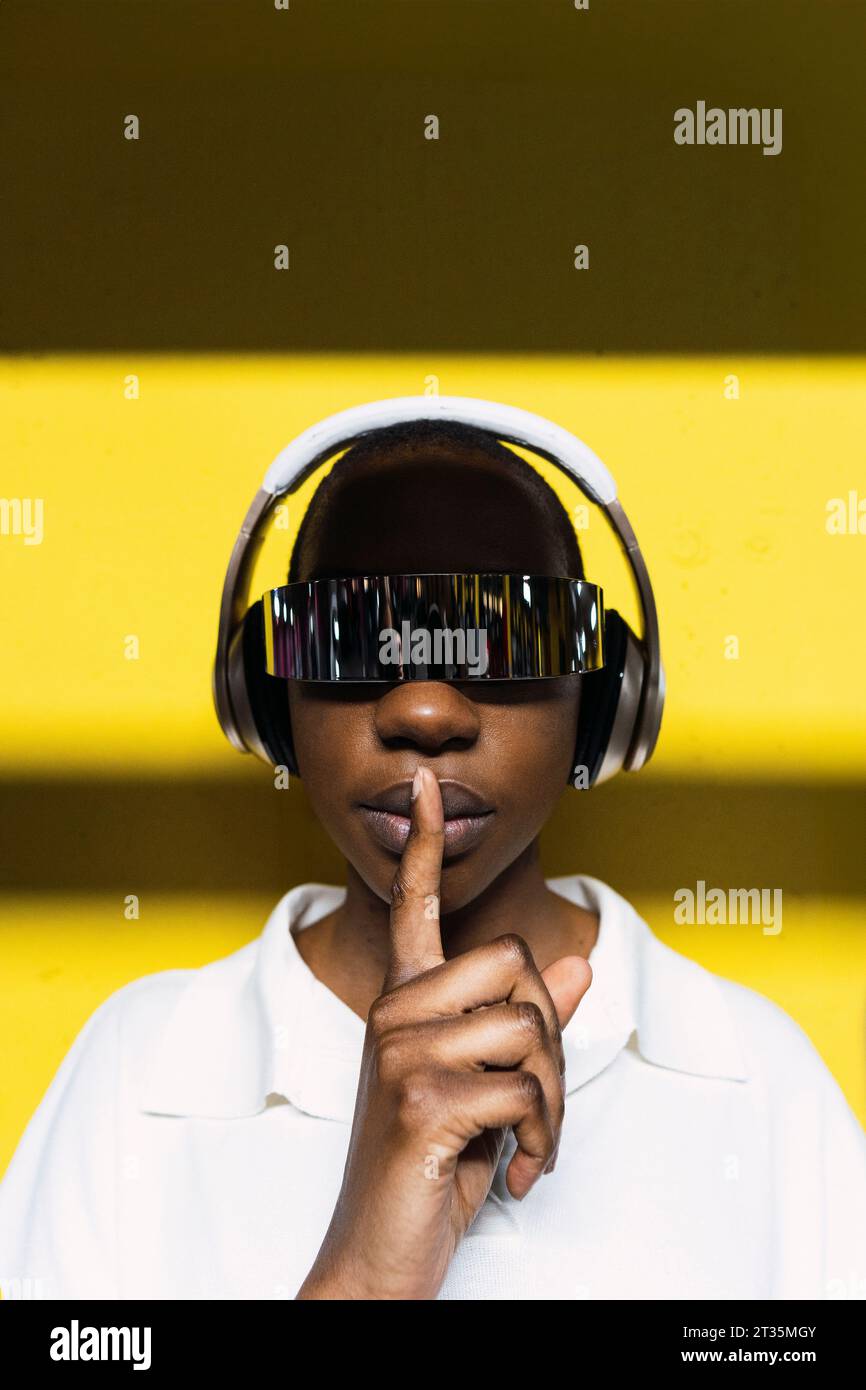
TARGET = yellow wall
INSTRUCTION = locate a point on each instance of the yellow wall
(142, 499)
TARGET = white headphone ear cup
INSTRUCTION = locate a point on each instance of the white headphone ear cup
(627, 695)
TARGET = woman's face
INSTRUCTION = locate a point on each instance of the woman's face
(502, 750)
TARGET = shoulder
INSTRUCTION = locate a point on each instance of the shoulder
(146, 999)
(153, 1025)
(188, 1041)
(147, 1004)
(85, 1088)
(110, 1051)
(135, 1012)
(697, 1018)
(773, 1044)
(779, 1057)
(771, 1037)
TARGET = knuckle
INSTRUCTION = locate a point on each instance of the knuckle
(515, 949)
(415, 1099)
(530, 1019)
(556, 1106)
(399, 889)
(389, 1058)
(529, 1087)
(378, 1013)
(425, 834)
(384, 1012)
(557, 1049)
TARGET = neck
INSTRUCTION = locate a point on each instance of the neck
(348, 950)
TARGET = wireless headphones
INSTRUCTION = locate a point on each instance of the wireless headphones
(621, 704)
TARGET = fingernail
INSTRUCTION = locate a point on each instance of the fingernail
(417, 781)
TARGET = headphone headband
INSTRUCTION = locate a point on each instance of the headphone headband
(299, 459)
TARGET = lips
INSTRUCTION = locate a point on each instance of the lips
(468, 817)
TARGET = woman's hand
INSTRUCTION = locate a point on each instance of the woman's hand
(456, 1052)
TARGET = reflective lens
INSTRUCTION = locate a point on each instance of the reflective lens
(442, 627)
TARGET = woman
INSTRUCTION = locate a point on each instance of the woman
(452, 1078)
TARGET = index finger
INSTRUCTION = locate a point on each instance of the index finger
(416, 942)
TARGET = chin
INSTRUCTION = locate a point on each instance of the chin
(462, 881)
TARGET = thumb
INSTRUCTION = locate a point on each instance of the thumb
(567, 981)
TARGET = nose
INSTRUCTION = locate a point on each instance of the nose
(428, 715)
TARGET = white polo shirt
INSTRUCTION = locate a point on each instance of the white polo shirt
(191, 1144)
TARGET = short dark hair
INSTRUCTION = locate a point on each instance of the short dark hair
(414, 437)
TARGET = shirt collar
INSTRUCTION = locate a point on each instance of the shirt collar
(259, 1024)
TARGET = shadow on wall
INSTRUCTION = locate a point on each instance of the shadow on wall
(238, 834)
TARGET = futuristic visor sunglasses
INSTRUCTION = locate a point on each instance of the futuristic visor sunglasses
(439, 627)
